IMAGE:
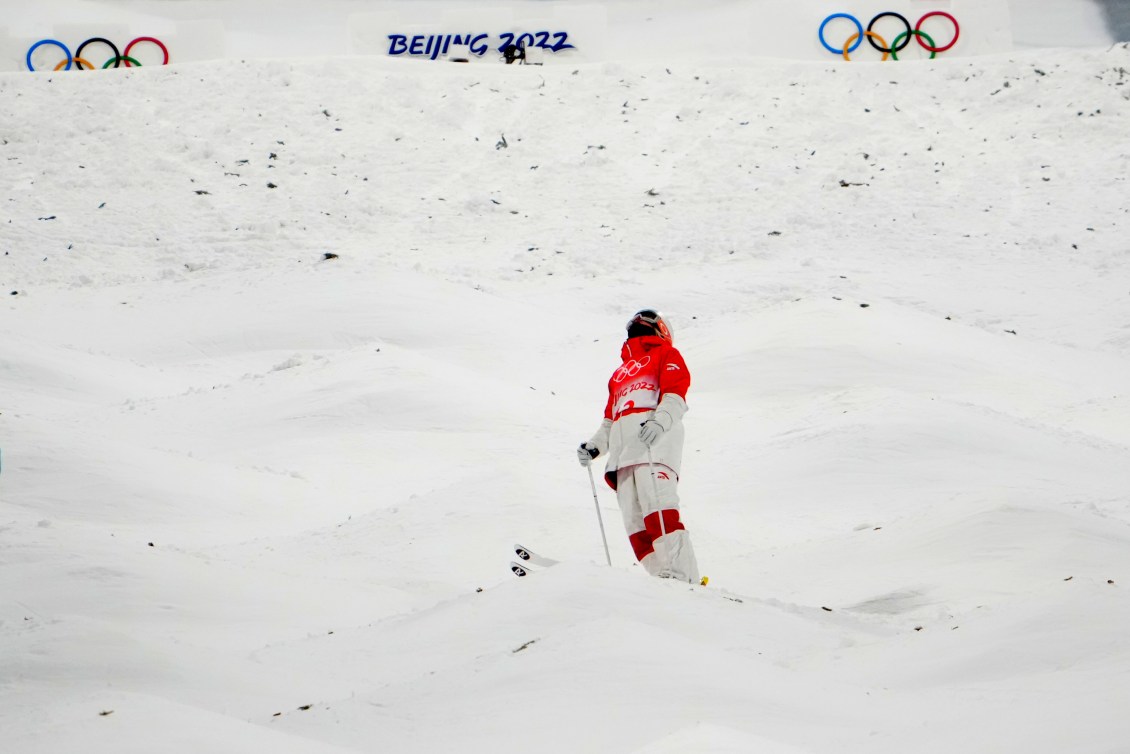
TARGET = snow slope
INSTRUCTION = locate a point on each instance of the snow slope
(254, 498)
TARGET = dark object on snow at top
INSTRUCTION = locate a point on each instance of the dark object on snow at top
(513, 53)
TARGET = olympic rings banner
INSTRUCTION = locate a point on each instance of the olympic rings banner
(874, 31)
(66, 60)
(899, 42)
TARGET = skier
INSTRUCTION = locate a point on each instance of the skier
(517, 52)
(642, 435)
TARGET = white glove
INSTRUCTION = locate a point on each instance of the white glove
(652, 429)
(586, 453)
(595, 445)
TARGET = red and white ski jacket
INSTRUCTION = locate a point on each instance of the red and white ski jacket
(651, 383)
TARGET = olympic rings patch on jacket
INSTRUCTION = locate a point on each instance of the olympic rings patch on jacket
(630, 369)
(79, 61)
(898, 44)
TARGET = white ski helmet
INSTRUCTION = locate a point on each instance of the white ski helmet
(655, 321)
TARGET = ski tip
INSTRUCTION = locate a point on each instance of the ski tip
(518, 570)
(521, 552)
(705, 581)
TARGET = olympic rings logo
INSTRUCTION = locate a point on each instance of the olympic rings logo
(852, 43)
(79, 61)
(630, 369)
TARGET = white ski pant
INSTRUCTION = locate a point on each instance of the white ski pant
(662, 547)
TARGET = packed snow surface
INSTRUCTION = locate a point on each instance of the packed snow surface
(292, 353)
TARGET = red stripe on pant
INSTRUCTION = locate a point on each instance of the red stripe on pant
(643, 542)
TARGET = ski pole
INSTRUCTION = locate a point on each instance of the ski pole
(592, 483)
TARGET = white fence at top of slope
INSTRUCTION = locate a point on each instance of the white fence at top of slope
(552, 31)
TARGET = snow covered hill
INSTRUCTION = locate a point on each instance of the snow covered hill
(291, 353)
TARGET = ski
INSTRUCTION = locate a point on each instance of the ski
(529, 556)
(528, 561)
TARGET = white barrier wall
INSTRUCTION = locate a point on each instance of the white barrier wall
(185, 40)
(673, 29)
(562, 30)
(663, 30)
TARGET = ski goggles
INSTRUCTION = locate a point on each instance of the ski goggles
(655, 320)
(650, 316)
